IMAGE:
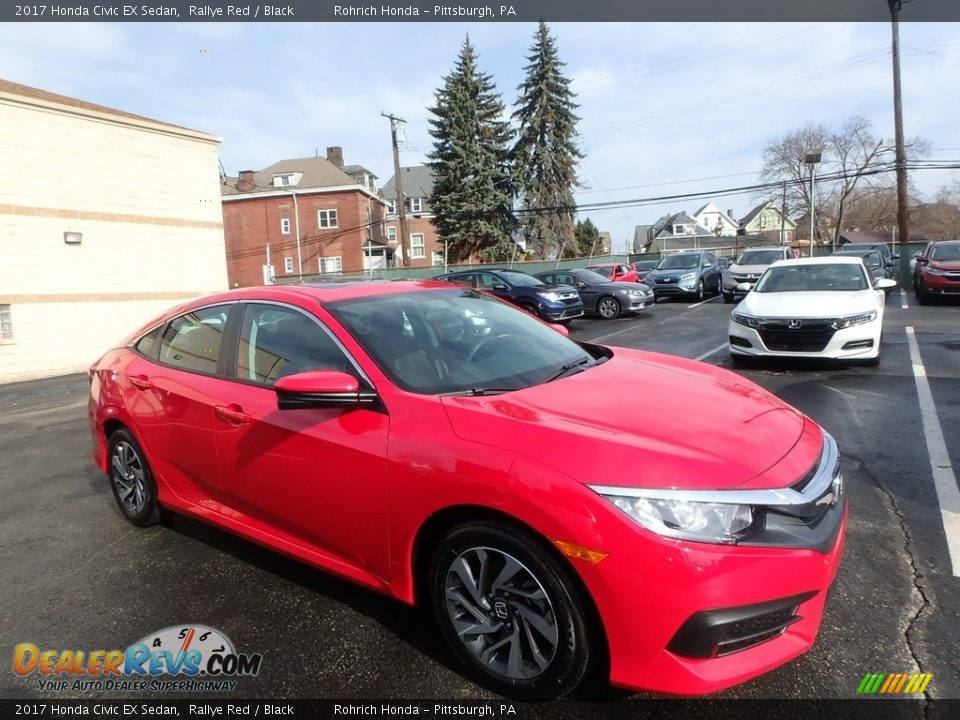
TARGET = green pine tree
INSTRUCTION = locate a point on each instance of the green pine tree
(545, 154)
(472, 196)
(588, 238)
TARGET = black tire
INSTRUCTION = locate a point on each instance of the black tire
(139, 504)
(530, 308)
(701, 291)
(719, 288)
(608, 307)
(562, 610)
(728, 298)
(922, 297)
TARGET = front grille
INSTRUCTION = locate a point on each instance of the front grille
(755, 630)
(745, 278)
(812, 335)
(667, 281)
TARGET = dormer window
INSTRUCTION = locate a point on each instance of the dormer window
(391, 207)
(416, 204)
(679, 230)
(281, 180)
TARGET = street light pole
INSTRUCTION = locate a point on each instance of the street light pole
(812, 158)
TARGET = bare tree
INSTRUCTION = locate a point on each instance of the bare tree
(851, 154)
(940, 219)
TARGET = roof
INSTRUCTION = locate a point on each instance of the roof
(317, 172)
(751, 216)
(44, 96)
(860, 236)
(828, 260)
(357, 170)
(324, 292)
(417, 182)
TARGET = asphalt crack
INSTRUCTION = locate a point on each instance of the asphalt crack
(916, 575)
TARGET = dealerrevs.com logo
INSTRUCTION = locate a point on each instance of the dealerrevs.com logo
(196, 657)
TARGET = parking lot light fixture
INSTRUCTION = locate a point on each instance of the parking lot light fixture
(812, 158)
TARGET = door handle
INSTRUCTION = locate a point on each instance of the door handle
(141, 382)
(232, 413)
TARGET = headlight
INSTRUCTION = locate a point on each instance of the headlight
(850, 320)
(688, 520)
(936, 271)
(551, 296)
(687, 277)
(744, 319)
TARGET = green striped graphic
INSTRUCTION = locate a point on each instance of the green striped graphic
(894, 684)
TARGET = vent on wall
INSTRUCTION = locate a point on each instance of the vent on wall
(72, 238)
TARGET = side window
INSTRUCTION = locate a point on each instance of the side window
(486, 281)
(277, 341)
(465, 279)
(149, 343)
(551, 278)
(192, 341)
(564, 279)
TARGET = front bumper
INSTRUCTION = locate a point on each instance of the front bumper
(940, 284)
(858, 341)
(690, 618)
(674, 290)
(565, 313)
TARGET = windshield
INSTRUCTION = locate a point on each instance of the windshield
(759, 257)
(679, 262)
(945, 253)
(590, 277)
(519, 279)
(605, 272)
(812, 278)
(456, 340)
(645, 265)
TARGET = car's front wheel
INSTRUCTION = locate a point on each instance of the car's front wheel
(608, 308)
(131, 480)
(510, 611)
(728, 298)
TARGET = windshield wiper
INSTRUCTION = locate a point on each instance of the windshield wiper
(480, 391)
(577, 365)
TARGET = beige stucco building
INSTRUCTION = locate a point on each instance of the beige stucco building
(106, 219)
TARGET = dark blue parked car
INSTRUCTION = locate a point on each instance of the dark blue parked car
(556, 303)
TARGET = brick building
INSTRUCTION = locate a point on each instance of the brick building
(426, 250)
(317, 216)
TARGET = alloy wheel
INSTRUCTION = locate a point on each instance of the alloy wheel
(501, 613)
(608, 308)
(129, 480)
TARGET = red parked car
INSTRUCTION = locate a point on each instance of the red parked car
(616, 272)
(937, 271)
(435, 444)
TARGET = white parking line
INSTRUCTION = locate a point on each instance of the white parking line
(903, 299)
(702, 302)
(944, 479)
(707, 354)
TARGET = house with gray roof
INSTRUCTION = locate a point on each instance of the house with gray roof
(426, 249)
(674, 232)
(767, 220)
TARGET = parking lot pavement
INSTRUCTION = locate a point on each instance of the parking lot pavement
(73, 574)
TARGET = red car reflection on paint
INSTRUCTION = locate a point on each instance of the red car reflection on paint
(442, 447)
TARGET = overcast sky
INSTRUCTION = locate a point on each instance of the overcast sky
(665, 108)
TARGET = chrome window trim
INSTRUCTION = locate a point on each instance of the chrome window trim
(828, 470)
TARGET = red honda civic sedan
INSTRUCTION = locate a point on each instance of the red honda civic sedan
(437, 445)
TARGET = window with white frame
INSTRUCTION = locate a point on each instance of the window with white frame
(392, 234)
(285, 226)
(437, 259)
(330, 264)
(416, 245)
(288, 264)
(679, 229)
(391, 207)
(327, 218)
(6, 324)
(416, 205)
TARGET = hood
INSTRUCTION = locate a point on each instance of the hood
(945, 264)
(748, 269)
(552, 287)
(639, 419)
(625, 285)
(671, 273)
(808, 304)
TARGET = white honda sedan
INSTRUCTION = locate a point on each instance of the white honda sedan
(826, 307)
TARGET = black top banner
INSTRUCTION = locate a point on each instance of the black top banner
(474, 11)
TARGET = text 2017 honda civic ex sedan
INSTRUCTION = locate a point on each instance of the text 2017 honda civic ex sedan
(442, 447)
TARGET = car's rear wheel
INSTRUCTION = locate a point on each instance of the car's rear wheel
(728, 298)
(608, 308)
(131, 480)
(510, 611)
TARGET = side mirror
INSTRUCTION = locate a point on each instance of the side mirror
(499, 286)
(744, 287)
(922, 260)
(885, 284)
(321, 389)
(562, 329)
(895, 256)
(581, 286)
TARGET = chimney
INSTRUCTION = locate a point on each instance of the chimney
(245, 181)
(335, 155)
(730, 214)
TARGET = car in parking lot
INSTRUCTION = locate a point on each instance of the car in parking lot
(643, 267)
(937, 271)
(748, 268)
(690, 273)
(608, 300)
(829, 307)
(871, 258)
(555, 303)
(435, 444)
(889, 257)
(616, 272)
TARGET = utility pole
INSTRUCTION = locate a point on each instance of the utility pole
(903, 219)
(398, 183)
(783, 215)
